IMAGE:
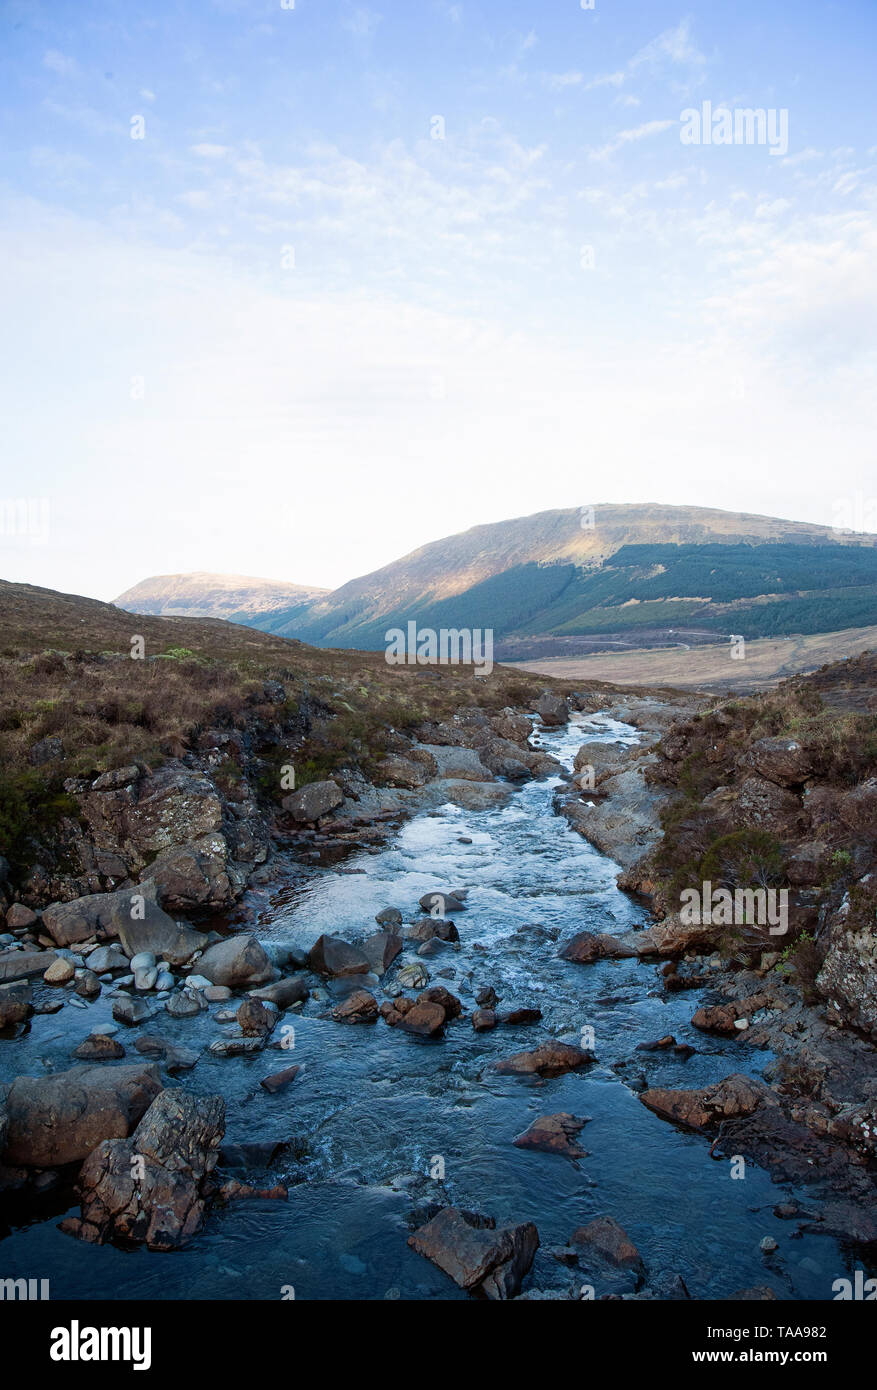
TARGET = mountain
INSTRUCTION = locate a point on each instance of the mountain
(563, 582)
(200, 595)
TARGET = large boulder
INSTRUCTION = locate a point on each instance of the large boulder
(237, 962)
(552, 709)
(133, 915)
(475, 1253)
(149, 1188)
(22, 965)
(311, 802)
(587, 947)
(60, 1118)
(459, 764)
(397, 771)
(331, 955)
(516, 728)
(762, 805)
(381, 949)
(780, 760)
(15, 1005)
(848, 977)
(194, 875)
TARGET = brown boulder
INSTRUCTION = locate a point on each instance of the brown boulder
(478, 1256)
(735, 1096)
(549, 1059)
(427, 1019)
(611, 1242)
(554, 1134)
(780, 760)
(236, 962)
(60, 1118)
(311, 802)
(359, 1007)
(331, 955)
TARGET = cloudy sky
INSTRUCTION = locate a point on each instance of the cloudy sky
(292, 289)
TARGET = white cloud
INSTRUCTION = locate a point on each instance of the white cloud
(60, 63)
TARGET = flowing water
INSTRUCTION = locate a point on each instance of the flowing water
(373, 1106)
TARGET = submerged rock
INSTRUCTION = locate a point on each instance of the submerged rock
(549, 1059)
(554, 1134)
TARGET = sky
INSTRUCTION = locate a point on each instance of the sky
(290, 289)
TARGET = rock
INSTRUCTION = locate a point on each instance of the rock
(486, 997)
(99, 1047)
(117, 777)
(311, 802)
(413, 975)
(858, 808)
(807, 864)
(475, 1254)
(127, 1009)
(549, 1059)
(20, 918)
(194, 875)
(427, 1019)
(483, 1020)
(611, 1242)
(60, 972)
(279, 1079)
(735, 1096)
(183, 1004)
(517, 728)
(587, 947)
(217, 994)
(359, 1007)
(458, 764)
(767, 1244)
(47, 750)
(15, 1005)
(58, 1119)
(22, 965)
(762, 805)
(397, 771)
(389, 917)
(779, 760)
(330, 955)
(554, 1134)
(104, 959)
(237, 962)
(430, 928)
(255, 1020)
(437, 994)
(284, 993)
(660, 1045)
(381, 949)
(146, 978)
(236, 1047)
(729, 1020)
(149, 1188)
(847, 979)
(552, 709)
(520, 1015)
(110, 915)
(440, 905)
(142, 961)
(87, 985)
(174, 1058)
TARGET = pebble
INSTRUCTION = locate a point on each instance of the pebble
(142, 961)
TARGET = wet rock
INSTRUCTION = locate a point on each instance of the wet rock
(99, 1047)
(389, 917)
(520, 1015)
(105, 959)
(551, 1058)
(184, 1004)
(440, 904)
(611, 1242)
(217, 994)
(311, 802)
(554, 1134)
(194, 875)
(127, 1009)
(660, 1044)
(413, 975)
(278, 1080)
(238, 961)
(23, 965)
(483, 1020)
(359, 1007)
(60, 972)
(478, 1256)
(486, 997)
(729, 1020)
(331, 955)
(437, 994)
(381, 949)
(174, 1057)
(58, 1119)
(236, 1047)
(735, 1096)
(426, 1018)
(149, 1188)
(552, 709)
(587, 947)
(284, 993)
(254, 1020)
(87, 985)
(15, 1005)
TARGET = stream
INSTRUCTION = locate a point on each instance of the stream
(374, 1110)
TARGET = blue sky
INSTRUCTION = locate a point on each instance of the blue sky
(377, 273)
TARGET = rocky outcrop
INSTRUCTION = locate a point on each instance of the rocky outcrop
(149, 1188)
(732, 1098)
(479, 1256)
(134, 916)
(57, 1119)
(847, 980)
(549, 1059)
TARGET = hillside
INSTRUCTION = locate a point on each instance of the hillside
(639, 576)
(203, 595)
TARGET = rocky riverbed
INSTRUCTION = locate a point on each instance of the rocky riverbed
(428, 1048)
